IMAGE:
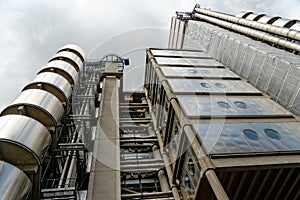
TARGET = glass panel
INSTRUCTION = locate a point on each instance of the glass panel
(240, 104)
(250, 134)
(272, 134)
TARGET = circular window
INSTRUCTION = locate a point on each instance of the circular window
(223, 104)
(187, 182)
(272, 134)
(250, 134)
(220, 85)
(240, 104)
(191, 167)
(192, 71)
(205, 85)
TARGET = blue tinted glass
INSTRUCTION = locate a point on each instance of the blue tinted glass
(206, 85)
(250, 134)
(220, 85)
(272, 134)
(240, 104)
(223, 104)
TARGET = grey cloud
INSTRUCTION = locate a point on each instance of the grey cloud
(32, 30)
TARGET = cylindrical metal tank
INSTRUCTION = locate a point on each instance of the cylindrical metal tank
(75, 49)
(23, 140)
(69, 57)
(38, 104)
(16, 184)
(53, 83)
(62, 68)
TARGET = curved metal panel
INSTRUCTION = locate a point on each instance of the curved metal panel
(23, 140)
(243, 14)
(287, 23)
(17, 184)
(53, 83)
(62, 68)
(75, 49)
(38, 104)
(255, 17)
(296, 26)
(268, 20)
(69, 57)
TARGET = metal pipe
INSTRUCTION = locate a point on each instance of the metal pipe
(164, 185)
(249, 31)
(164, 156)
(269, 28)
(216, 185)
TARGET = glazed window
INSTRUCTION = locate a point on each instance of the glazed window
(250, 134)
(205, 85)
(187, 182)
(240, 104)
(223, 104)
(191, 167)
(220, 85)
(272, 134)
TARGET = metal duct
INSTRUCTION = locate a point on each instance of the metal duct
(282, 31)
(254, 33)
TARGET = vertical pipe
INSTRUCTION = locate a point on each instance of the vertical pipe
(161, 174)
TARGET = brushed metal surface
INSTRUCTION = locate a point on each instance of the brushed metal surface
(16, 184)
(70, 57)
(38, 104)
(74, 48)
(23, 140)
(62, 68)
(53, 83)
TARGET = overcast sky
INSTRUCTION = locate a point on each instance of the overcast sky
(33, 30)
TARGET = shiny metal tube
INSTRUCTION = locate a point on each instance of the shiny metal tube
(53, 83)
(269, 28)
(62, 68)
(249, 31)
(38, 104)
(16, 184)
(75, 49)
